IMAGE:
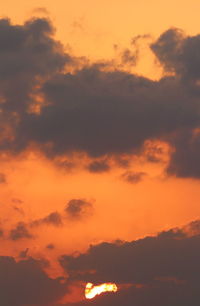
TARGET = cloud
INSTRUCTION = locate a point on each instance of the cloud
(165, 293)
(133, 177)
(160, 270)
(50, 246)
(185, 157)
(27, 53)
(25, 283)
(94, 110)
(127, 262)
(98, 166)
(75, 209)
(20, 232)
(127, 111)
(179, 53)
(78, 208)
(53, 218)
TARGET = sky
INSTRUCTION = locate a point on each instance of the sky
(99, 152)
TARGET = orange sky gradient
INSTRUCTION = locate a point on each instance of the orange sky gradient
(36, 186)
(135, 210)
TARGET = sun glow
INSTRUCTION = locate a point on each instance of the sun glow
(91, 291)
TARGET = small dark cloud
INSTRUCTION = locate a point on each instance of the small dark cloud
(129, 57)
(65, 165)
(23, 254)
(133, 177)
(50, 246)
(20, 232)
(78, 208)
(98, 166)
(19, 210)
(53, 218)
(2, 178)
(138, 38)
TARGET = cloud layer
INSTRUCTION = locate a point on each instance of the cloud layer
(159, 270)
(25, 283)
(96, 110)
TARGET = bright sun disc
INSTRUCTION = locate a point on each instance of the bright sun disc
(91, 291)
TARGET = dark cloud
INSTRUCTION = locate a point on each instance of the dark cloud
(78, 208)
(95, 110)
(20, 232)
(154, 153)
(161, 270)
(170, 254)
(127, 111)
(185, 157)
(65, 165)
(53, 218)
(2, 178)
(50, 246)
(24, 283)
(165, 293)
(98, 166)
(129, 57)
(133, 177)
(179, 53)
(27, 53)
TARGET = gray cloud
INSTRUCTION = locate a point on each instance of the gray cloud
(98, 166)
(25, 283)
(78, 208)
(160, 270)
(185, 158)
(27, 53)
(20, 232)
(53, 218)
(126, 262)
(133, 177)
(93, 110)
(179, 53)
(127, 111)
(50, 246)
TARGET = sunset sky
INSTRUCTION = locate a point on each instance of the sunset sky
(100, 152)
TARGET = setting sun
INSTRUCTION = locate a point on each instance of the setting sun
(91, 291)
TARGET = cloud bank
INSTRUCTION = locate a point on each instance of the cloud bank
(159, 270)
(94, 110)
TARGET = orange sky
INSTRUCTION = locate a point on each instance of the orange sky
(121, 210)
